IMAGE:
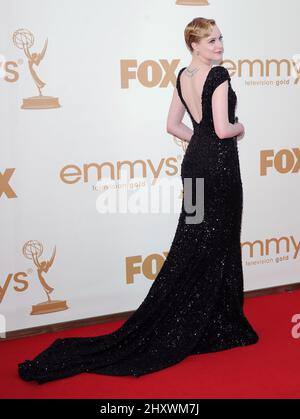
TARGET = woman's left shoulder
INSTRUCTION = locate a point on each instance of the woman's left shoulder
(220, 73)
(219, 69)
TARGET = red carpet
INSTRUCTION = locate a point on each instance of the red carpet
(268, 369)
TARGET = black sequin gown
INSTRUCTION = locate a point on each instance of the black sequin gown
(195, 304)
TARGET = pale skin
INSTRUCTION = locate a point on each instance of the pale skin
(210, 49)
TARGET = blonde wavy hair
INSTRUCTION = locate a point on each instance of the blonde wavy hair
(197, 29)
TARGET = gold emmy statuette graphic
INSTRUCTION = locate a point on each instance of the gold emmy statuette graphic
(24, 39)
(192, 2)
(33, 250)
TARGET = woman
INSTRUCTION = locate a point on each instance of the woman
(195, 304)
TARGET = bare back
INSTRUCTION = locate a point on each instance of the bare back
(192, 93)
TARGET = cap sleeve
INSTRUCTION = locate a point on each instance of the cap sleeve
(220, 75)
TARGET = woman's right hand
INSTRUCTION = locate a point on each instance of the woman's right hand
(242, 133)
(241, 128)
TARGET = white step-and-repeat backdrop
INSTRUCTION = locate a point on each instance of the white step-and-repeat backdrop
(85, 89)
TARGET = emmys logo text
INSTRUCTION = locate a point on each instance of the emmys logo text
(283, 161)
(20, 281)
(285, 244)
(8, 70)
(5, 186)
(71, 173)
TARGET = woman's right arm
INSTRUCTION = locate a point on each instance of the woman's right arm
(175, 126)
